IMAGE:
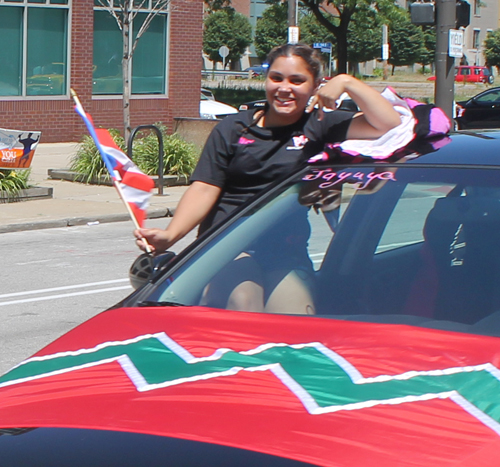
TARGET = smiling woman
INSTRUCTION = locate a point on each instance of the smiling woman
(246, 152)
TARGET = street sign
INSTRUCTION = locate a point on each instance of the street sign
(223, 51)
(322, 45)
(456, 43)
(293, 34)
(385, 51)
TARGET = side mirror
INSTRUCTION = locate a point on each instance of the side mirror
(146, 266)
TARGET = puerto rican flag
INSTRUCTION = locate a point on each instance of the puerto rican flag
(133, 186)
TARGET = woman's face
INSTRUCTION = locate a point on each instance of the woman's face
(289, 85)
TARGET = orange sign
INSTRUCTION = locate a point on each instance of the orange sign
(17, 148)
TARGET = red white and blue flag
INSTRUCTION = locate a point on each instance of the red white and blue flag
(133, 185)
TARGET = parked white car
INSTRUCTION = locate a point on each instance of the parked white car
(213, 109)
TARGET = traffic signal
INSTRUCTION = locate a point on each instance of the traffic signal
(463, 14)
(422, 13)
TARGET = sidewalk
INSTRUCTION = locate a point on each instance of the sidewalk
(74, 203)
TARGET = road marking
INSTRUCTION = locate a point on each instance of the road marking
(74, 294)
(66, 287)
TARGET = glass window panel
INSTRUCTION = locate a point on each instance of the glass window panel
(11, 34)
(148, 69)
(108, 48)
(36, 1)
(46, 66)
(59, 2)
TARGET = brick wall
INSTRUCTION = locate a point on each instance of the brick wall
(55, 116)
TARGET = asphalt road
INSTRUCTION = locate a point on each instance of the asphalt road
(54, 279)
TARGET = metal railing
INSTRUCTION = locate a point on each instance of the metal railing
(157, 131)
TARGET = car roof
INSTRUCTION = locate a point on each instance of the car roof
(469, 148)
(461, 148)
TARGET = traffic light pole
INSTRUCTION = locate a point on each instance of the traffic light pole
(444, 92)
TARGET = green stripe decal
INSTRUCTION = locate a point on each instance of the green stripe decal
(320, 378)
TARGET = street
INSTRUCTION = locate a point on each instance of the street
(54, 279)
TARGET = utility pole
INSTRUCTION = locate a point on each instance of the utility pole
(445, 65)
(385, 50)
(293, 30)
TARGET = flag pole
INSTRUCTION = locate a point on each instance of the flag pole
(116, 178)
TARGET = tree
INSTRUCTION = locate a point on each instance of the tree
(311, 31)
(428, 52)
(271, 29)
(124, 12)
(364, 40)
(336, 16)
(406, 42)
(492, 49)
(229, 28)
(215, 5)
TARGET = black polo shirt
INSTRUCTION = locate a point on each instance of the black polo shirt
(242, 159)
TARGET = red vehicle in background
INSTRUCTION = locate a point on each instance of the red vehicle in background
(471, 74)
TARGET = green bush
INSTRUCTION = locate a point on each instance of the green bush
(88, 163)
(179, 158)
(12, 181)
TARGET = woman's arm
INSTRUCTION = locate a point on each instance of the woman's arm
(377, 117)
(193, 207)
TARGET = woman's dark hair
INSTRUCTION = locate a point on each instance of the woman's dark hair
(306, 53)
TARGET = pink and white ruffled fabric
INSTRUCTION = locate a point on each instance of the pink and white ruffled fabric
(397, 138)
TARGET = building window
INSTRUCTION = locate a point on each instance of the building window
(148, 71)
(30, 67)
(477, 6)
(476, 44)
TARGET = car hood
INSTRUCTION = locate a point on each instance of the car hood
(324, 391)
(209, 107)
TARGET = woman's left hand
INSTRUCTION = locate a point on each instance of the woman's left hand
(327, 96)
(377, 114)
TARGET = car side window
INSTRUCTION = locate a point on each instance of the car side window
(490, 97)
(406, 223)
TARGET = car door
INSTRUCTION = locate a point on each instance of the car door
(483, 111)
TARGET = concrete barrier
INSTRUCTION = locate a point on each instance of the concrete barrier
(194, 130)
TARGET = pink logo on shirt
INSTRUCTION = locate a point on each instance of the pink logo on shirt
(298, 142)
(244, 140)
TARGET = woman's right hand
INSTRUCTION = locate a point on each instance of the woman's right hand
(193, 207)
(159, 240)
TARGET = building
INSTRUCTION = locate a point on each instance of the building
(50, 46)
(483, 18)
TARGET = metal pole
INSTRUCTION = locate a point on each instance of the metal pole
(385, 50)
(293, 30)
(292, 13)
(445, 65)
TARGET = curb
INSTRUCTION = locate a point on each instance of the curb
(27, 194)
(73, 221)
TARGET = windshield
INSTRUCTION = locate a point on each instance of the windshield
(410, 245)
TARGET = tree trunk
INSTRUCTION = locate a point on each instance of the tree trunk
(341, 53)
(126, 73)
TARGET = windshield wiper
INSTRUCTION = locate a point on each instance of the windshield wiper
(152, 303)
